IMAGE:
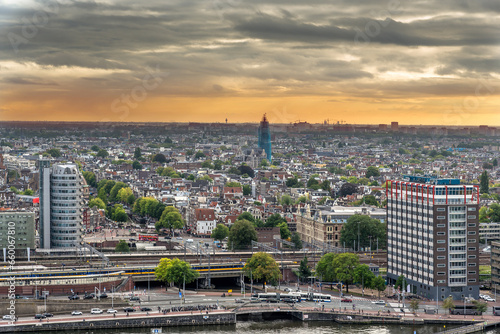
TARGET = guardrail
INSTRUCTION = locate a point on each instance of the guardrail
(465, 330)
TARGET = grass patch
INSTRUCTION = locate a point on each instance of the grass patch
(484, 270)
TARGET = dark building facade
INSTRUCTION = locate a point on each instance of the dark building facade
(265, 137)
(433, 237)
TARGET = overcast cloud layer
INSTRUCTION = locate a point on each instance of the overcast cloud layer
(74, 59)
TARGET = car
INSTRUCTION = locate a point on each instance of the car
(239, 301)
(40, 316)
(48, 315)
(489, 299)
(287, 290)
(8, 317)
(76, 313)
(146, 309)
(96, 311)
(135, 299)
(379, 302)
(89, 296)
(346, 300)
(73, 297)
(102, 295)
(110, 310)
(128, 309)
(179, 238)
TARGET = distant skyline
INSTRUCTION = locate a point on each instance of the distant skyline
(413, 62)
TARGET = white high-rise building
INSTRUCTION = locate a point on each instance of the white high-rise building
(60, 205)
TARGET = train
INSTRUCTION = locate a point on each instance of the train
(293, 297)
(120, 271)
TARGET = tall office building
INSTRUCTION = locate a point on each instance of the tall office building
(265, 137)
(433, 236)
(60, 205)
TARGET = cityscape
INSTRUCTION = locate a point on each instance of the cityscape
(234, 166)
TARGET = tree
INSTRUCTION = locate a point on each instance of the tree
(14, 190)
(220, 232)
(102, 153)
(218, 164)
(296, 241)
(159, 158)
(175, 270)
(312, 183)
(54, 152)
(199, 155)
(362, 228)
(401, 283)
(241, 234)
(286, 200)
(344, 265)
(244, 169)
(136, 165)
(325, 185)
(372, 171)
(378, 283)
(274, 220)
(95, 148)
(414, 305)
(28, 192)
(122, 247)
(262, 267)
(495, 162)
(284, 231)
(247, 216)
(484, 187)
(304, 270)
(90, 178)
(137, 153)
(233, 184)
(247, 190)
(325, 269)
(294, 183)
(348, 189)
(113, 193)
(207, 164)
(97, 202)
(124, 194)
(363, 275)
(119, 214)
(480, 306)
(448, 304)
(171, 219)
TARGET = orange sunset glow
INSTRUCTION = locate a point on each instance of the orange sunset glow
(191, 61)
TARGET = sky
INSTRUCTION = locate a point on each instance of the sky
(359, 62)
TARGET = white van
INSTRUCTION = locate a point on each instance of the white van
(189, 241)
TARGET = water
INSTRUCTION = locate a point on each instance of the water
(282, 327)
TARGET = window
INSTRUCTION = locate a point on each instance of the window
(441, 241)
(471, 240)
(441, 265)
(440, 225)
(441, 217)
(472, 272)
(441, 257)
(441, 233)
(472, 264)
(440, 209)
(441, 273)
(471, 224)
(471, 208)
(471, 232)
(471, 217)
(472, 256)
(441, 249)
(471, 249)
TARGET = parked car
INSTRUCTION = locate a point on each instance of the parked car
(40, 316)
(146, 309)
(7, 317)
(48, 315)
(76, 313)
(239, 301)
(128, 309)
(89, 296)
(103, 295)
(135, 299)
(346, 300)
(112, 310)
(379, 302)
(288, 290)
(73, 297)
(96, 311)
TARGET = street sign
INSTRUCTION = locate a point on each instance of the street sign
(180, 294)
(156, 330)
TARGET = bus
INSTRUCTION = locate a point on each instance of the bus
(148, 237)
(290, 297)
(316, 297)
(270, 297)
(465, 310)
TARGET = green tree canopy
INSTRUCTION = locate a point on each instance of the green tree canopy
(344, 265)
(159, 158)
(90, 178)
(296, 241)
(448, 304)
(247, 190)
(284, 230)
(484, 187)
(262, 268)
(97, 202)
(95, 148)
(241, 234)
(274, 220)
(372, 171)
(28, 192)
(363, 275)
(102, 153)
(367, 228)
(113, 193)
(54, 152)
(378, 283)
(124, 194)
(220, 232)
(304, 270)
(325, 269)
(122, 247)
(136, 165)
(137, 153)
(286, 200)
(233, 184)
(175, 270)
(170, 218)
(401, 283)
